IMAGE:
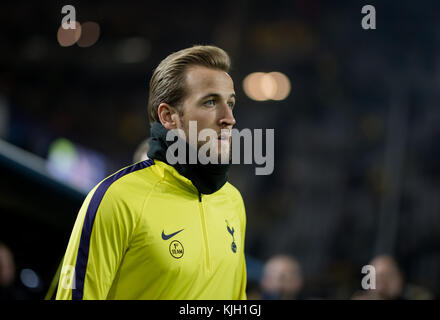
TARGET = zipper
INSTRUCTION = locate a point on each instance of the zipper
(205, 235)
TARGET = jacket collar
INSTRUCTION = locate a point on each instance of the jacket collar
(171, 176)
(206, 179)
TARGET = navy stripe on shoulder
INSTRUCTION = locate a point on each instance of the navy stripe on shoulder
(84, 244)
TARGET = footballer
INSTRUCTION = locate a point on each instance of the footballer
(156, 230)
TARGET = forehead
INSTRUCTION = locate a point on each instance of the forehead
(201, 80)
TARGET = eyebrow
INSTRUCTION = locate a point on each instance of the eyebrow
(216, 95)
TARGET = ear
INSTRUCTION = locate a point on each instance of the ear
(167, 116)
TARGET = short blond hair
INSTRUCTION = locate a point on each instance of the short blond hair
(167, 85)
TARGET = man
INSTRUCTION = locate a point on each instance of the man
(159, 231)
(390, 283)
(282, 278)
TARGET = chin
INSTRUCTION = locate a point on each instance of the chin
(226, 154)
(223, 149)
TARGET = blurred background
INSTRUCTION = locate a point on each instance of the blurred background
(355, 114)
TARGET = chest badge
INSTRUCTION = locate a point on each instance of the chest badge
(176, 249)
(231, 231)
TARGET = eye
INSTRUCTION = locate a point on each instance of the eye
(231, 104)
(210, 103)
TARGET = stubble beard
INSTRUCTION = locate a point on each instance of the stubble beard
(219, 150)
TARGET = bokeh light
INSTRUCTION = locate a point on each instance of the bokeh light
(133, 50)
(282, 86)
(30, 279)
(68, 37)
(61, 158)
(252, 86)
(90, 32)
(262, 86)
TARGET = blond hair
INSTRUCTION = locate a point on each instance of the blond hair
(167, 85)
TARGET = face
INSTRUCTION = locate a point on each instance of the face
(210, 100)
(282, 276)
(388, 278)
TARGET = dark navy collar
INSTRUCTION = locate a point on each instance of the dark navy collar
(207, 178)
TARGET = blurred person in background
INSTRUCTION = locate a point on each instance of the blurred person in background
(7, 273)
(282, 279)
(389, 278)
(253, 290)
(390, 283)
(10, 288)
(141, 151)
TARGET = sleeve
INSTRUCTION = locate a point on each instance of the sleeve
(99, 239)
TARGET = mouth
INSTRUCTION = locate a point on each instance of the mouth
(224, 137)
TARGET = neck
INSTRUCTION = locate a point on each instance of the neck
(207, 178)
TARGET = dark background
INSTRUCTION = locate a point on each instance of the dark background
(356, 153)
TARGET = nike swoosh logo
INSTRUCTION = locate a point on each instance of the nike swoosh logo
(168, 236)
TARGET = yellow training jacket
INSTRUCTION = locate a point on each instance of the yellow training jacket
(146, 233)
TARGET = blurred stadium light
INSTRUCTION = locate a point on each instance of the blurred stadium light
(262, 86)
(68, 37)
(133, 50)
(79, 166)
(31, 164)
(90, 32)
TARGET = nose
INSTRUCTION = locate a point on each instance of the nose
(227, 117)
